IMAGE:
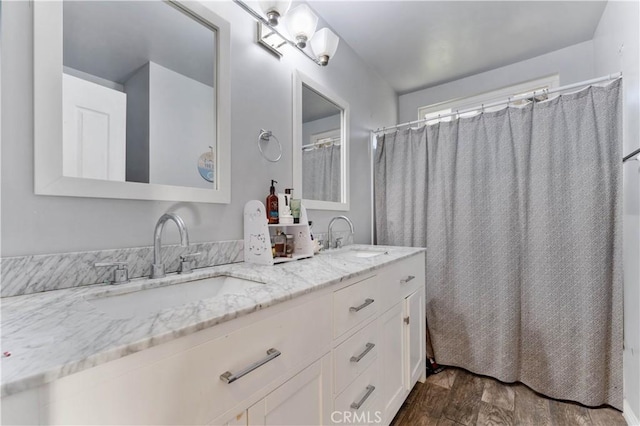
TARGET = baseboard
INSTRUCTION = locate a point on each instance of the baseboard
(629, 415)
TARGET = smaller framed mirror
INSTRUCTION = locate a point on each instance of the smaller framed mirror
(320, 145)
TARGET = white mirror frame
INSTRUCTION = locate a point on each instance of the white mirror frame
(47, 62)
(298, 80)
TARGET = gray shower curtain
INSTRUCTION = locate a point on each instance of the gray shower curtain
(519, 211)
(321, 173)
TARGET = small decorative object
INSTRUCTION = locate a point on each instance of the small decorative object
(206, 165)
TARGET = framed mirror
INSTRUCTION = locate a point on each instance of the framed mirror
(131, 100)
(320, 145)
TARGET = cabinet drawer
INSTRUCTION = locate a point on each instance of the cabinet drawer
(186, 388)
(399, 280)
(354, 356)
(353, 305)
(360, 398)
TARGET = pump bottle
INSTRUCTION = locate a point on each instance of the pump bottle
(272, 204)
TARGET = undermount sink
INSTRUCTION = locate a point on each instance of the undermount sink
(144, 302)
(359, 252)
(365, 253)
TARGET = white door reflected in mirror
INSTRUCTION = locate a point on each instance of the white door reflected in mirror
(93, 131)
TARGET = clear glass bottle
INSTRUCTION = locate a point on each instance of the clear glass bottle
(290, 245)
(280, 241)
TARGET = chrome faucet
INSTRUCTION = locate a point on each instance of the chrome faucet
(329, 233)
(157, 268)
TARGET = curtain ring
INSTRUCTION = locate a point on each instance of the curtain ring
(266, 135)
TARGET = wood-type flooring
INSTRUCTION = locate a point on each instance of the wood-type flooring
(456, 397)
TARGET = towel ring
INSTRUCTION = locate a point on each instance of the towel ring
(266, 135)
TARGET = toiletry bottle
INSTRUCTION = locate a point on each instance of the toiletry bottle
(272, 204)
(290, 245)
(295, 204)
(281, 243)
(284, 204)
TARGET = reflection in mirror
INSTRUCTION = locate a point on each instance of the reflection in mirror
(138, 94)
(321, 151)
(321, 145)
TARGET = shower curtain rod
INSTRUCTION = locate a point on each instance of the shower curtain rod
(331, 141)
(631, 156)
(506, 101)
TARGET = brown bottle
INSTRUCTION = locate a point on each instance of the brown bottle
(272, 204)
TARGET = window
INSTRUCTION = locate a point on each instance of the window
(431, 113)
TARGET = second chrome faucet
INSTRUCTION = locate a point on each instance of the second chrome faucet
(157, 268)
(338, 241)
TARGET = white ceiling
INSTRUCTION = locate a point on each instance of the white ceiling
(315, 106)
(419, 44)
(112, 39)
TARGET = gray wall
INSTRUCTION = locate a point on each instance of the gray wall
(137, 89)
(180, 127)
(261, 97)
(573, 64)
(318, 126)
(619, 27)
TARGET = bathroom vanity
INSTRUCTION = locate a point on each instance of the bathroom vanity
(339, 338)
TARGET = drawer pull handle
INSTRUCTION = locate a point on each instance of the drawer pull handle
(406, 280)
(229, 377)
(366, 351)
(366, 303)
(357, 405)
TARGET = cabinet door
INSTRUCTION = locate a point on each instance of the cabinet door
(393, 360)
(415, 337)
(303, 400)
(240, 419)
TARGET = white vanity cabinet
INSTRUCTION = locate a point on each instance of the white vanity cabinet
(402, 331)
(379, 342)
(346, 354)
(180, 382)
(302, 400)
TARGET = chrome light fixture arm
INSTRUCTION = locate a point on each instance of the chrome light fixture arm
(263, 20)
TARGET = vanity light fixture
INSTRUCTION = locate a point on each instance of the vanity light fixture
(301, 25)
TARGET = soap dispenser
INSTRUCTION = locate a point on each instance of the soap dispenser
(272, 204)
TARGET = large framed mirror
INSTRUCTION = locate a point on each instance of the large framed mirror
(320, 145)
(132, 100)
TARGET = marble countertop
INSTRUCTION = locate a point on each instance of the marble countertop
(57, 333)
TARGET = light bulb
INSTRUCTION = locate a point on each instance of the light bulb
(324, 45)
(274, 9)
(301, 23)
